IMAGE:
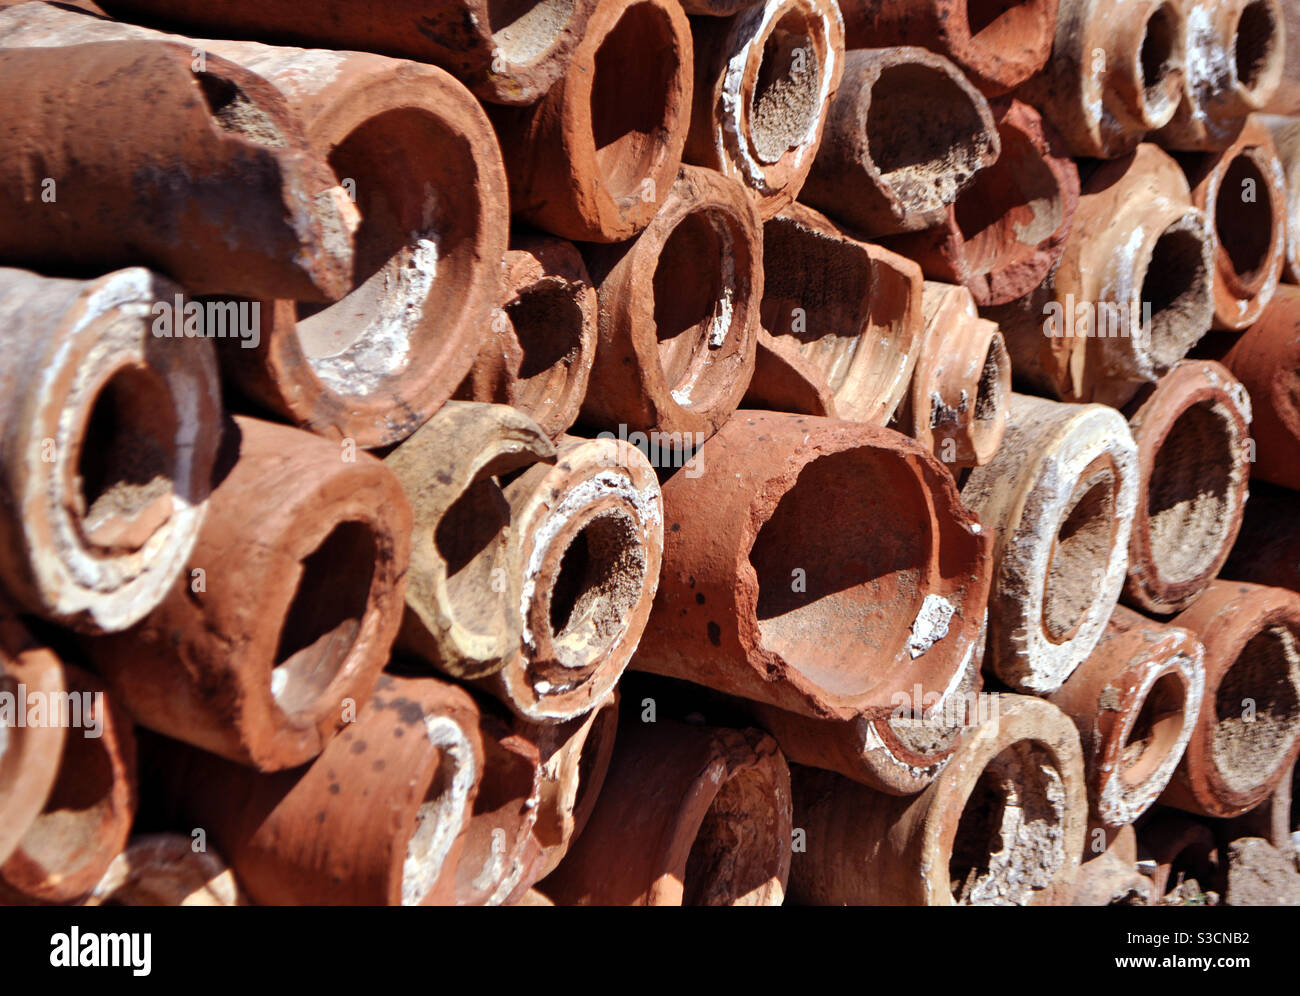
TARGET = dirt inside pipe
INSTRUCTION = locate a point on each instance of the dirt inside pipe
(234, 111)
(1176, 285)
(737, 850)
(786, 100)
(1081, 555)
(1257, 709)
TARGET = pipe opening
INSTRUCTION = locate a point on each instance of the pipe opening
(1157, 56)
(834, 594)
(736, 852)
(324, 619)
(1010, 840)
(66, 835)
(126, 460)
(523, 30)
(1245, 223)
(234, 111)
(1255, 44)
(787, 93)
(1176, 286)
(1081, 556)
(1001, 23)
(636, 71)
(471, 539)
(1257, 709)
(440, 815)
(1190, 493)
(1156, 730)
(548, 326)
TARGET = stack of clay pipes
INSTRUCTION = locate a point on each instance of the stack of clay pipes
(641, 452)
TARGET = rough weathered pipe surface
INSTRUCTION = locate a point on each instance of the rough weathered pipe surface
(1005, 232)
(462, 592)
(107, 439)
(509, 54)
(292, 601)
(1193, 437)
(586, 541)
(711, 826)
(679, 312)
(215, 186)
(166, 870)
(842, 323)
(1248, 733)
(764, 79)
(1059, 498)
(779, 586)
(961, 387)
(542, 343)
(1003, 824)
(1135, 700)
(87, 817)
(594, 159)
(1112, 877)
(1233, 56)
(1266, 359)
(905, 133)
(1271, 819)
(377, 820)
(1267, 550)
(1285, 133)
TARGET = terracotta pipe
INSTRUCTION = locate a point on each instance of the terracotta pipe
(1003, 824)
(997, 43)
(1285, 133)
(961, 387)
(1266, 359)
(711, 827)
(462, 593)
(575, 760)
(85, 821)
(166, 870)
(505, 54)
(764, 78)
(1267, 550)
(1271, 819)
(538, 355)
(774, 573)
(839, 315)
(1112, 877)
(1234, 56)
(1135, 701)
(110, 434)
(1242, 191)
(1005, 232)
(594, 158)
(1248, 732)
(586, 543)
(679, 309)
(1116, 73)
(274, 637)
(1133, 291)
(1179, 846)
(216, 186)
(1192, 433)
(905, 133)
(1058, 497)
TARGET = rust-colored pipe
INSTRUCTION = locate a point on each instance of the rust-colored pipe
(775, 570)
(1286, 140)
(1271, 819)
(1058, 497)
(688, 816)
(1003, 824)
(1112, 877)
(1248, 732)
(594, 159)
(1193, 434)
(1267, 550)
(274, 638)
(679, 312)
(1003, 234)
(764, 79)
(109, 438)
(542, 343)
(1135, 701)
(216, 185)
(462, 593)
(839, 315)
(997, 43)
(961, 387)
(87, 817)
(167, 870)
(906, 132)
(506, 53)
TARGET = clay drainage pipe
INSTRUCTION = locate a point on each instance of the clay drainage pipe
(906, 132)
(1248, 732)
(1286, 140)
(274, 638)
(1002, 825)
(712, 824)
(111, 433)
(1135, 701)
(165, 870)
(780, 586)
(594, 158)
(1059, 498)
(763, 85)
(1192, 434)
(678, 314)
